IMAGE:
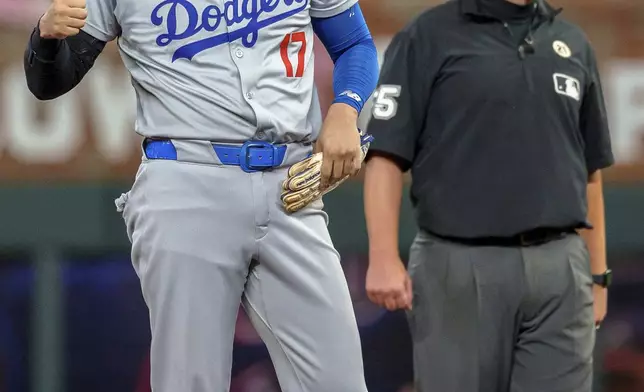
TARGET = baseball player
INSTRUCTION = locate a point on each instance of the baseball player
(227, 107)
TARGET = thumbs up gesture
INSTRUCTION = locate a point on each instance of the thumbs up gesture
(64, 18)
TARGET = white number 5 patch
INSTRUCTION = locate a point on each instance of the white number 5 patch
(385, 105)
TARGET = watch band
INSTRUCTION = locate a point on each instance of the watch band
(603, 280)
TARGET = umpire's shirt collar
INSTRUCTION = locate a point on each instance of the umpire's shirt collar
(475, 9)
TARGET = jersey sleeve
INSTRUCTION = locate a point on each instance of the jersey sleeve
(329, 8)
(594, 123)
(101, 20)
(399, 103)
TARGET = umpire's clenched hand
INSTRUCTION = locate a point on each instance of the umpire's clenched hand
(388, 283)
(339, 143)
(64, 18)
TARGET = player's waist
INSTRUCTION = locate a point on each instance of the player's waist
(251, 156)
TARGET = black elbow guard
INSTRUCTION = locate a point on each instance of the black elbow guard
(53, 67)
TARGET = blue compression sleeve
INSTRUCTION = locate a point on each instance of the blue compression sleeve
(347, 39)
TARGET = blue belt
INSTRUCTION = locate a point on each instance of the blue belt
(252, 156)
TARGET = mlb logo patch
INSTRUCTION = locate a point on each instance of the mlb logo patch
(567, 85)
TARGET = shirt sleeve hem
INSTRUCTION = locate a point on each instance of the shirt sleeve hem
(332, 11)
(98, 33)
(600, 163)
(402, 162)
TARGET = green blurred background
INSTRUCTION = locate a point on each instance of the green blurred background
(71, 314)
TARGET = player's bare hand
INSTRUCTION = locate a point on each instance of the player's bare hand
(388, 283)
(600, 303)
(339, 143)
(64, 18)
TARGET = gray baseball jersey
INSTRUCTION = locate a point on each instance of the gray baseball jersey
(219, 70)
(207, 237)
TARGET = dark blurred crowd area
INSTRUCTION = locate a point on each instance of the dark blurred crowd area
(106, 333)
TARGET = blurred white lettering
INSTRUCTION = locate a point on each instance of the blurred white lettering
(625, 99)
(31, 141)
(113, 109)
(60, 133)
(382, 43)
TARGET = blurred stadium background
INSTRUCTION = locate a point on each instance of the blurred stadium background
(71, 314)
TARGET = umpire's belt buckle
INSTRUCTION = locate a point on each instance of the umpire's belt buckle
(525, 241)
(252, 156)
(532, 239)
(540, 237)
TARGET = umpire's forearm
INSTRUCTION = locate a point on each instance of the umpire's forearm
(596, 238)
(383, 185)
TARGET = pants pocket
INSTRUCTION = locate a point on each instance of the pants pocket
(425, 263)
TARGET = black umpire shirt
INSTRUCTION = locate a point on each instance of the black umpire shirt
(498, 111)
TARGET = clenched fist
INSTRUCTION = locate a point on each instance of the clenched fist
(388, 283)
(64, 18)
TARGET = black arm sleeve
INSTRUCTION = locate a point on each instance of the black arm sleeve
(400, 102)
(594, 122)
(54, 67)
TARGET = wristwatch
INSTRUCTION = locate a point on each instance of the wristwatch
(604, 280)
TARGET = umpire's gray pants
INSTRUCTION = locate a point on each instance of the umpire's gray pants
(502, 319)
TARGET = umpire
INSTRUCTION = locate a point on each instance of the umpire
(496, 108)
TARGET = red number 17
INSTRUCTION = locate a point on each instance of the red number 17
(288, 39)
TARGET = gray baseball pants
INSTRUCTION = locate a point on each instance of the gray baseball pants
(502, 319)
(204, 238)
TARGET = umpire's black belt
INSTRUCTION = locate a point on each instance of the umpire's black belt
(529, 238)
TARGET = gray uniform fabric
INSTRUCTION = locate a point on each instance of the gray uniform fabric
(199, 245)
(214, 69)
(206, 236)
(492, 319)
